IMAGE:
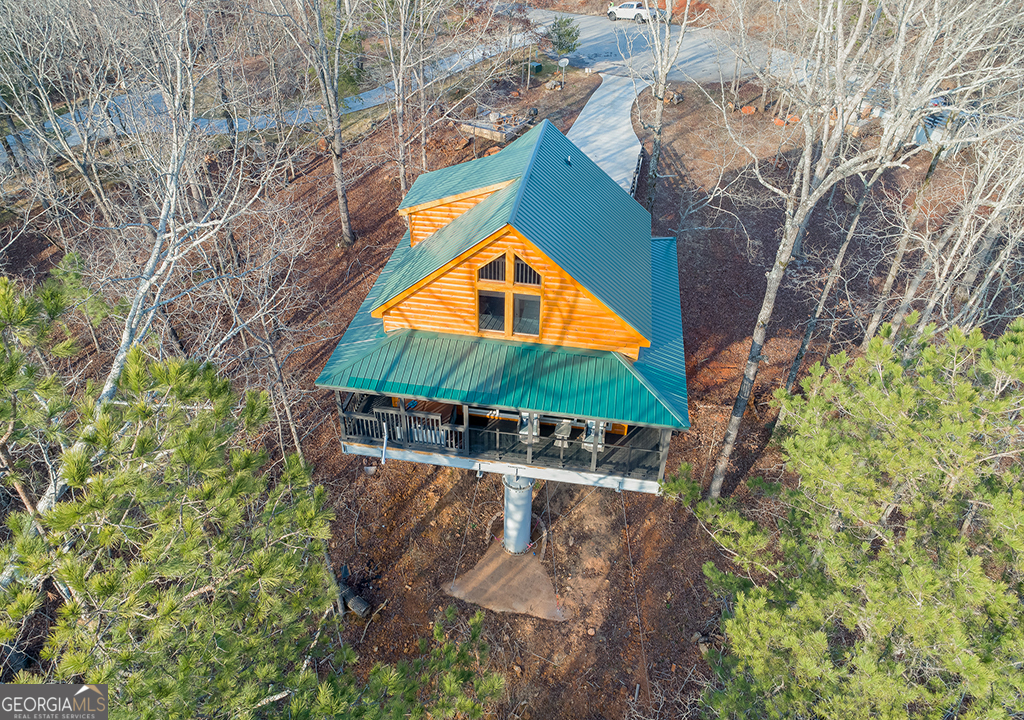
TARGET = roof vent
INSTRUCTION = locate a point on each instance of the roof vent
(568, 159)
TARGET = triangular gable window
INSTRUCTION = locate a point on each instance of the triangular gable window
(526, 275)
(494, 270)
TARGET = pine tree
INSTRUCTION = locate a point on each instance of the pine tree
(189, 568)
(565, 35)
(893, 584)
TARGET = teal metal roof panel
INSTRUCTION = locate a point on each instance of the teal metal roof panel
(365, 331)
(662, 367)
(587, 224)
(503, 374)
(506, 165)
(666, 315)
(449, 242)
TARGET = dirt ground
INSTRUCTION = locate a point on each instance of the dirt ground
(626, 567)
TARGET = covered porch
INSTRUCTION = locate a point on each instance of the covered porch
(455, 433)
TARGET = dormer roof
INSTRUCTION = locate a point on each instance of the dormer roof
(558, 198)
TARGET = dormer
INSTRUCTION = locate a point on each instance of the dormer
(437, 198)
(427, 218)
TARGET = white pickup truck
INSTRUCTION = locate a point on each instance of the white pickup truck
(633, 11)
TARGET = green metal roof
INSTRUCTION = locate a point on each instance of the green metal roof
(523, 376)
(501, 167)
(592, 228)
(449, 242)
(526, 376)
(663, 364)
(509, 375)
(563, 203)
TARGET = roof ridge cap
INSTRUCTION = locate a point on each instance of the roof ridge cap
(544, 125)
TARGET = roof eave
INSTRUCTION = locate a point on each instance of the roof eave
(455, 198)
(684, 421)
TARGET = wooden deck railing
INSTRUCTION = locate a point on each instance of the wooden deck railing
(640, 452)
(409, 428)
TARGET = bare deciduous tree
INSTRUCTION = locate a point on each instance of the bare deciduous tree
(323, 33)
(831, 59)
(664, 35)
(146, 189)
(418, 46)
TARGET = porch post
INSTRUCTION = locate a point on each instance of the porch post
(341, 415)
(666, 438)
(405, 434)
(518, 513)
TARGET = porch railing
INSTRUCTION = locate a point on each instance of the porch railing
(409, 428)
(640, 452)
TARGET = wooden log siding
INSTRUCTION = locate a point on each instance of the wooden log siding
(424, 223)
(569, 316)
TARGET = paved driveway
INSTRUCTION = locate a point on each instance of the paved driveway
(604, 128)
(621, 53)
(621, 48)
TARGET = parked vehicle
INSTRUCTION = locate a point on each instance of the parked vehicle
(634, 11)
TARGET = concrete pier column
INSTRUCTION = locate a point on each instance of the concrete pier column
(518, 513)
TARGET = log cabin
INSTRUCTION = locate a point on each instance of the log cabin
(526, 324)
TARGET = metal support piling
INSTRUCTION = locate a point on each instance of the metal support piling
(518, 513)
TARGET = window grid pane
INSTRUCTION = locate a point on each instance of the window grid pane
(526, 275)
(494, 270)
(526, 315)
(492, 311)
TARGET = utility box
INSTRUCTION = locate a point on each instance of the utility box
(536, 67)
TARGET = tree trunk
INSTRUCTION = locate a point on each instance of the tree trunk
(778, 271)
(423, 120)
(971, 311)
(833, 277)
(9, 151)
(981, 261)
(272, 352)
(901, 247)
(337, 147)
(12, 131)
(172, 332)
(400, 129)
(656, 126)
(890, 278)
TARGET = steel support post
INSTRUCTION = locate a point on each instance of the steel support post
(518, 513)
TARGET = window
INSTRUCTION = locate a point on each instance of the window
(495, 269)
(526, 275)
(492, 310)
(526, 314)
(508, 297)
